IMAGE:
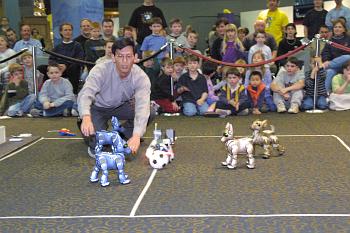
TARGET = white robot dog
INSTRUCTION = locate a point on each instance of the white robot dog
(237, 146)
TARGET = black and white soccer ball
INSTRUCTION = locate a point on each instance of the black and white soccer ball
(158, 159)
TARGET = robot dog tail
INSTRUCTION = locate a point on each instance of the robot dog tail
(271, 131)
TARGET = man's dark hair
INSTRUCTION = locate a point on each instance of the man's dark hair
(122, 43)
(11, 30)
(255, 73)
(295, 61)
(107, 21)
(220, 21)
(66, 24)
(208, 67)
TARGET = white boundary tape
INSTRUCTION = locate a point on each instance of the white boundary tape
(182, 216)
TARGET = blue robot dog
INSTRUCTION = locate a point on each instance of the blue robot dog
(110, 161)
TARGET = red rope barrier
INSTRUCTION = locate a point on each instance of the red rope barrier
(339, 46)
(246, 65)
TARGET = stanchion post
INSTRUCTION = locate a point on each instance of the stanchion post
(317, 54)
(34, 71)
(171, 49)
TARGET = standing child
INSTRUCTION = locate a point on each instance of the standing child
(27, 61)
(151, 68)
(164, 94)
(108, 52)
(193, 89)
(260, 38)
(56, 96)
(232, 97)
(321, 96)
(177, 36)
(289, 42)
(16, 94)
(156, 40)
(95, 46)
(288, 87)
(259, 96)
(232, 48)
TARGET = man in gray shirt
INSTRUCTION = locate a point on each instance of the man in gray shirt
(116, 88)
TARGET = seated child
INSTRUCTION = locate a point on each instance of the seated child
(256, 91)
(163, 93)
(17, 95)
(288, 87)
(56, 96)
(340, 98)
(27, 61)
(209, 69)
(193, 89)
(321, 95)
(232, 97)
(179, 67)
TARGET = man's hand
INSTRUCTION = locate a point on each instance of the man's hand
(87, 128)
(134, 143)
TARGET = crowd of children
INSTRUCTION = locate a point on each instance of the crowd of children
(186, 84)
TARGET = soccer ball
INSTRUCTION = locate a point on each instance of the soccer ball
(158, 159)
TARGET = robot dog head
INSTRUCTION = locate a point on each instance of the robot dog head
(116, 126)
(228, 133)
(259, 125)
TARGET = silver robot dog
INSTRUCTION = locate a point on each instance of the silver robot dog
(266, 138)
(235, 147)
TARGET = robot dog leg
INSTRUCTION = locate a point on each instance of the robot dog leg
(120, 161)
(104, 167)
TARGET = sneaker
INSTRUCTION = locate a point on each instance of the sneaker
(244, 112)
(19, 113)
(35, 112)
(294, 108)
(91, 154)
(223, 113)
(66, 112)
(281, 107)
(74, 113)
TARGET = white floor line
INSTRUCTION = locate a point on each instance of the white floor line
(180, 216)
(342, 142)
(143, 193)
(23, 148)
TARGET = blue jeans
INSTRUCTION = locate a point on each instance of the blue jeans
(335, 67)
(321, 103)
(55, 111)
(191, 109)
(22, 107)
